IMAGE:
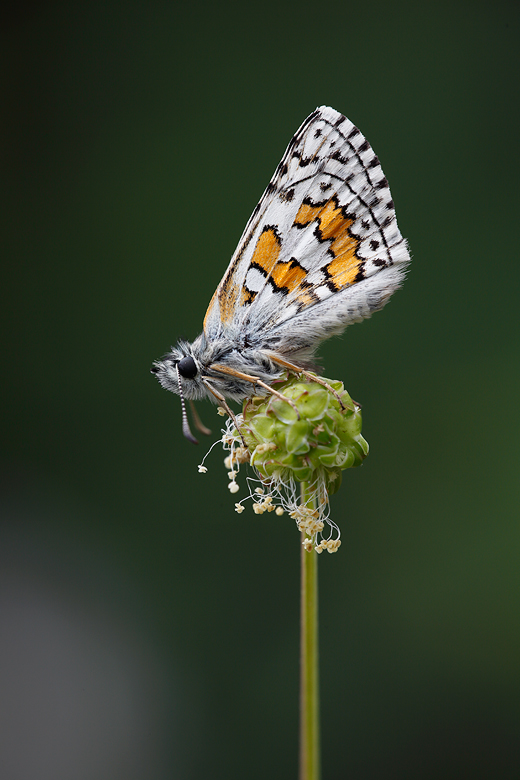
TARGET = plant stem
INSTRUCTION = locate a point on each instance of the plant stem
(309, 680)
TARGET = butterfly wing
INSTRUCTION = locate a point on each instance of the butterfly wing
(322, 248)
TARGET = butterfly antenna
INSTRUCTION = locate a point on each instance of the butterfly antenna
(185, 424)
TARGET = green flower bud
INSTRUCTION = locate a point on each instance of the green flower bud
(308, 432)
(318, 435)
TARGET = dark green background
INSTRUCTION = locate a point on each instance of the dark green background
(149, 631)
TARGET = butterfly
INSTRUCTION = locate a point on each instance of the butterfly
(321, 250)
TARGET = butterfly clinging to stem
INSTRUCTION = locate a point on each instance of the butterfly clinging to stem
(321, 250)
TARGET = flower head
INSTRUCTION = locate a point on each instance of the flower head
(310, 438)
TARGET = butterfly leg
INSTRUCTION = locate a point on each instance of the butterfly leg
(254, 381)
(223, 401)
(198, 422)
(297, 370)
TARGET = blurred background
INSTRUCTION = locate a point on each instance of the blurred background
(147, 630)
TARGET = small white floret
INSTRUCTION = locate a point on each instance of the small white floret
(233, 487)
(202, 469)
(332, 545)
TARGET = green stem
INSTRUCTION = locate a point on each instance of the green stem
(309, 680)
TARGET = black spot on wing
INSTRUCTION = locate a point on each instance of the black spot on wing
(274, 229)
(259, 268)
(336, 155)
(287, 195)
(303, 161)
(248, 296)
(360, 274)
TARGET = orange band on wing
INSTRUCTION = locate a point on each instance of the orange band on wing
(227, 298)
(343, 271)
(288, 275)
(333, 225)
(267, 250)
(307, 213)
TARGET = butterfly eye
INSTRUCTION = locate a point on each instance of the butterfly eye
(187, 367)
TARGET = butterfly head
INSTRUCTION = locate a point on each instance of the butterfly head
(180, 372)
